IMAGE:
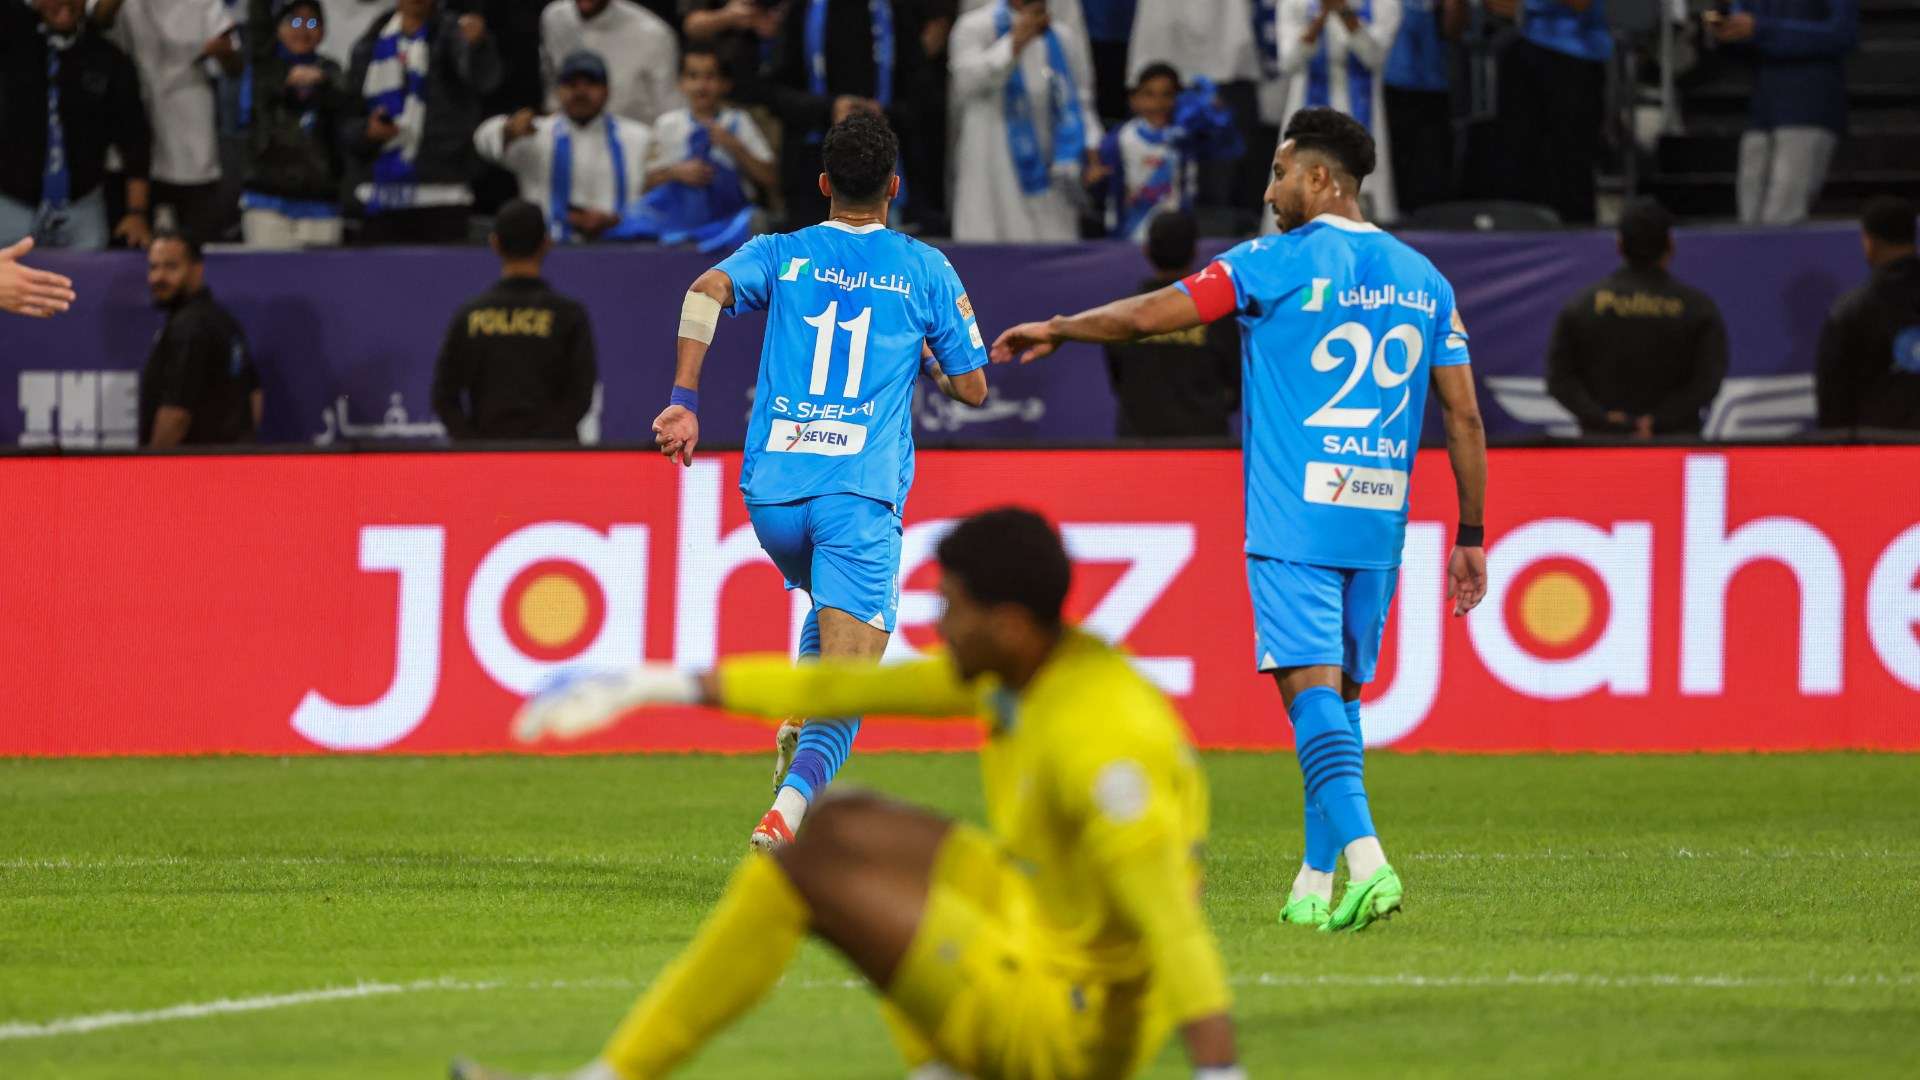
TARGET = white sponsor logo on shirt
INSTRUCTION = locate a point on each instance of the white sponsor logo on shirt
(1351, 485)
(830, 438)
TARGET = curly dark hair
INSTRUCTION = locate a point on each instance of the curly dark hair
(859, 155)
(1010, 555)
(1336, 135)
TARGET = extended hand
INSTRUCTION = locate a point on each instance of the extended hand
(1031, 21)
(1729, 29)
(677, 431)
(573, 706)
(305, 77)
(1029, 341)
(134, 230)
(519, 125)
(26, 291)
(591, 222)
(1467, 578)
(693, 172)
(381, 129)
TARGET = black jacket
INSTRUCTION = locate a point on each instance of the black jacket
(1642, 343)
(1868, 373)
(1182, 384)
(851, 70)
(100, 106)
(293, 143)
(517, 363)
(458, 76)
(201, 363)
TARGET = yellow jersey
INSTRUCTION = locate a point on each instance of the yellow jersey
(1092, 789)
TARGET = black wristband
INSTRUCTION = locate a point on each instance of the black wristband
(1470, 536)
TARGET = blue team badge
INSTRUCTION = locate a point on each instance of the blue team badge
(1906, 351)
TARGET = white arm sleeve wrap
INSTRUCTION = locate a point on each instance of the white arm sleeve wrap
(699, 314)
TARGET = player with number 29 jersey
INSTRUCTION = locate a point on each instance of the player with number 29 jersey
(1339, 320)
(847, 310)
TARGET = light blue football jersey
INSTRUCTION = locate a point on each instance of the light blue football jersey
(847, 309)
(1340, 324)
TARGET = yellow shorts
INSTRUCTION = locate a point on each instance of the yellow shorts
(972, 985)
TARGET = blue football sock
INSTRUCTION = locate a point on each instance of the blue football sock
(1322, 849)
(824, 743)
(1353, 721)
(810, 634)
(1330, 758)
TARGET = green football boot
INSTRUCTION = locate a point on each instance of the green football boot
(1365, 901)
(1309, 911)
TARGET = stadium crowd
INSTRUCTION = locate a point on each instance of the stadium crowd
(310, 122)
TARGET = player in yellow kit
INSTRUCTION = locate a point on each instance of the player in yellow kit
(1068, 942)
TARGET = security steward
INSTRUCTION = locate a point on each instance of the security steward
(1639, 353)
(1185, 384)
(518, 361)
(1868, 373)
(199, 387)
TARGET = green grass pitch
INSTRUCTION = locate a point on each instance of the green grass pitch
(1599, 916)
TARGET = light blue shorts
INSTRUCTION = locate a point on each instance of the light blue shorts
(844, 550)
(1305, 615)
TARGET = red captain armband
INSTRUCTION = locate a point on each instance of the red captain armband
(1212, 291)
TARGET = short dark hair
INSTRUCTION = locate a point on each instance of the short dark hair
(1010, 555)
(1159, 69)
(1646, 233)
(1335, 134)
(185, 240)
(859, 155)
(1889, 219)
(1171, 237)
(694, 49)
(519, 228)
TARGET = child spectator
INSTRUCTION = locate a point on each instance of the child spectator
(290, 106)
(709, 159)
(1146, 164)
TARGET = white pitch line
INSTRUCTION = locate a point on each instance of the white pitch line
(75, 1025)
(79, 1025)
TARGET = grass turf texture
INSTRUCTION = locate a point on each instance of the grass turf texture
(1712, 916)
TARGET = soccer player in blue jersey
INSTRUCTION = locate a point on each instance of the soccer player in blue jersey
(1337, 321)
(853, 310)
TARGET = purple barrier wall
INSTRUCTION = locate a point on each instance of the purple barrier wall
(346, 339)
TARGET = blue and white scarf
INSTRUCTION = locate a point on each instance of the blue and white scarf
(1034, 169)
(397, 85)
(712, 218)
(1359, 76)
(1149, 168)
(1266, 36)
(56, 180)
(881, 13)
(560, 181)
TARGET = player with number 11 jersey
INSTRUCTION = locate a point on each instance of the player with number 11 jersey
(1343, 330)
(852, 307)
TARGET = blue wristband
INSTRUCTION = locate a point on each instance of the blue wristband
(686, 399)
(931, 366)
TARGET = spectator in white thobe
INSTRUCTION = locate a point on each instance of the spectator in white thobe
(1024, 178)
(582, 165)
(1334, 53)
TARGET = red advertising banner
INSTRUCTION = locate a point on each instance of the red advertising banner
(1643, 599)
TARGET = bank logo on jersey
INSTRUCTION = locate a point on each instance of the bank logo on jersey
(1351, 485)
(794, 266)
(1317, 298)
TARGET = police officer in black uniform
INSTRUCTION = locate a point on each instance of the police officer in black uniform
(518, 360)
(1868, 375)
(199, 386)
(1639, 353)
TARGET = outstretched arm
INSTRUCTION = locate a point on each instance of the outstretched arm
(26, 291)
(677, 428)
(771, 687)
(1159, 312)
